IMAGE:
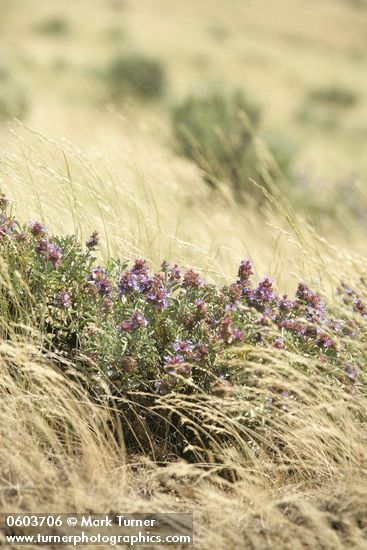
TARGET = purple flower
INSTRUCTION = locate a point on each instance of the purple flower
(136, 321)
(50, 251)
(192, 279)
(182, 346)
(285, 304)
(264, 292)
(360, 307)
(279, 343)
(201, 352)
(42, 246)
(324, 340)
(54, 254)
(173, 272)
(295, 325)
(238, 335)
(98, 278)
(158, 294)
(63, 299)
(201, 309)
(159, 298)
(245, 270)
(124, 326)
(128, 282)
(311, 298)
(140, 266)
(93, 241)
(7, 226)
(37, 228)
(176, 366)
(21, 237)
(351, 372)
(170, 362)
(136, 279)
(235, 291)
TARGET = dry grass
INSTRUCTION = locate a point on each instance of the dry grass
(298, 482)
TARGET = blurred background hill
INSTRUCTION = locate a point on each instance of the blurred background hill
(105, 80)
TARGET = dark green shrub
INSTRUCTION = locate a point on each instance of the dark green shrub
(334, 95)
(325, 106)
(135, 75)
(56, 26)
(13, 97)
(215, 130)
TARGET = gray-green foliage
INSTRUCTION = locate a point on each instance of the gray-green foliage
(135, 75)
(334, 95)
(14, 99)
(217, 131)
(56, 26)
(326, 106)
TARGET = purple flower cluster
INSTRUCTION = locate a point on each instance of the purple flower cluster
(136, 279)
(136, 321)
(264, 292)
(50, 251)
(175, 365)
(245, 270)
(285, 304)
(139, 280)
(311, 299)
(228, 333)
(158, 294)
(176, 324)
(7, 226)
(63, 299)
(182, 346)
(360, 306)
(93, 241)
(99, 281)
(192, 280)
(37, 229)
(172, 272)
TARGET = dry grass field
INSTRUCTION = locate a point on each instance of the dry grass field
(78, 159)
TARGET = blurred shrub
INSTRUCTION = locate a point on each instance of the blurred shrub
(135, 75)
(219, 33)
(283, 151)
(13, 97)
(56, 26)
(216, 130)
(317, 115)
(360, 4)
(115, 34)
(334, 95)
(324, 106)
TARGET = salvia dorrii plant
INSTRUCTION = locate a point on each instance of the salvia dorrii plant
(168, 332)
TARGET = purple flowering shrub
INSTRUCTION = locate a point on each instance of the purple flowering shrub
(160, 331)
(168, 332)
